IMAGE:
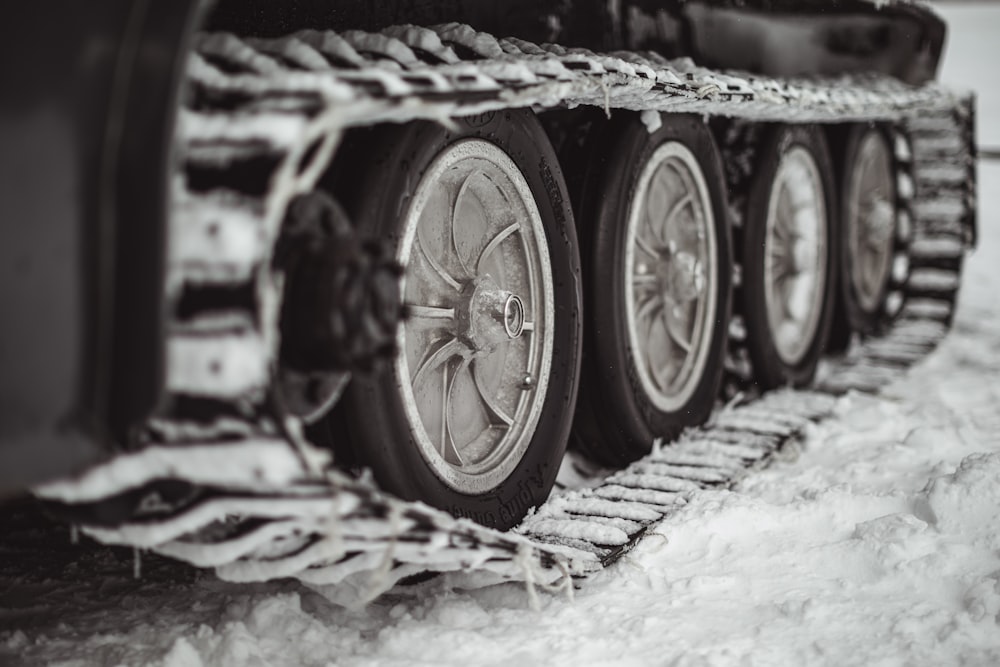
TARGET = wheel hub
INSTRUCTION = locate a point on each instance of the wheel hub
(879, 217)
(476, 350)
(490, 316)
(684, 278)
(341, 304)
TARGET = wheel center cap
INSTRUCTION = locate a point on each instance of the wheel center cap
(683, 278)
(513, 316)
(492, 316)
(879, 215)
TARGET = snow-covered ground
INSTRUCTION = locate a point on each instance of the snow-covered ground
(878, 545)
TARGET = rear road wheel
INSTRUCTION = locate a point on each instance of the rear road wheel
(869, 208)
(474, 412)
(658, 267)
(789, 255)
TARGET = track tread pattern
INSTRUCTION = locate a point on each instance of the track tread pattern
(277, 109)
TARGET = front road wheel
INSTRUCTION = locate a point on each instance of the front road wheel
(473, 414)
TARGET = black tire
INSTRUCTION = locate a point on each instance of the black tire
(377, 174)
(770, 369)
(865, 315)
(617, 417)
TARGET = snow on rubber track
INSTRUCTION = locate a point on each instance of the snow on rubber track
(880, 544)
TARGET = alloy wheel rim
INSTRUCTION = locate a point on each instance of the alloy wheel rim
(671, 276)
(795, 255)
(871, 218)
(476, 349)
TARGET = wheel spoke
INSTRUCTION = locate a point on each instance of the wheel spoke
(448, 445)
(671, 234)
(780, 267)
(780, 261)
(665, 356)
(429, 312)
(675, 328)
(435, 264)
(644, 246)
(494, 244)
(491, 407)
(665, 373)
(657, 199)
(473, 226)
(645, 281)
(647, 310)
(785, 213)
(782, 275)
(450, 349)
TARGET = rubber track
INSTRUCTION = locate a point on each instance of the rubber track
(263, 502)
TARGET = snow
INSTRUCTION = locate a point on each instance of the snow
(879, 544)
(652, 120)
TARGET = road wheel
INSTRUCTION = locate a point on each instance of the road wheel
(868, 241)
(474, 413)
(789, 254)
(658, 266)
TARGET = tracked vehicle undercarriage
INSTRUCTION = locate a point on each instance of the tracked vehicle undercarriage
(401, 243)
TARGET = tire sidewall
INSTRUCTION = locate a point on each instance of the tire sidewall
(397, 160)
(768, 368)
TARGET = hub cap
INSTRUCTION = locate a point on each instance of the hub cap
(476, 351)
(871, 221)
(671, 274)
(795, 262)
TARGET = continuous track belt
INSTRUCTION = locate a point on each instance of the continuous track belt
(233, 487)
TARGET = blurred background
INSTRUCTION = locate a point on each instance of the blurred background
(972, 60)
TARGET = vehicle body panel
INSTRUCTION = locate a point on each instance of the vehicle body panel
(85, 124)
